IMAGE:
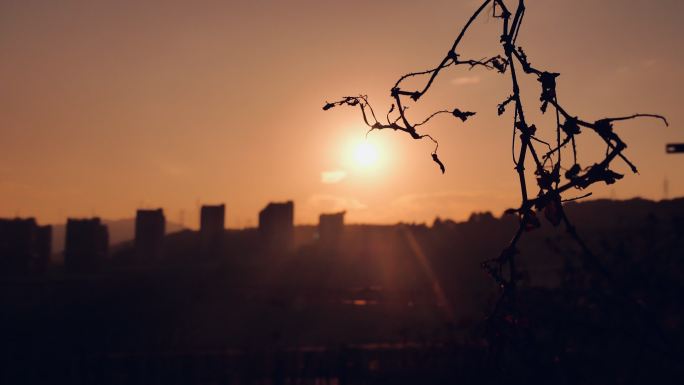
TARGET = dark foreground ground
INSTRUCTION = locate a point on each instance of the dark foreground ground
(405, 304)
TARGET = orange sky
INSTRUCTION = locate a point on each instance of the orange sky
(107, 106)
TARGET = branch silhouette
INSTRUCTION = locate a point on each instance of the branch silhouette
(555, 176)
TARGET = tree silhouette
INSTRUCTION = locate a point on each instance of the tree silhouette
(555, 176)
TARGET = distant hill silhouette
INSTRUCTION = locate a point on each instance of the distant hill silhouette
(120, 230)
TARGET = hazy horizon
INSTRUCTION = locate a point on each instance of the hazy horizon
(178, 226)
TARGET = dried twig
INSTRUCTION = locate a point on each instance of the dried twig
(547, 167)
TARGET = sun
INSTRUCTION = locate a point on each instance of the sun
(365, 155)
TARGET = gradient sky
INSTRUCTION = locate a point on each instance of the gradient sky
(108, 106)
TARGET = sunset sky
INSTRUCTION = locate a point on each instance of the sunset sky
(109, 106)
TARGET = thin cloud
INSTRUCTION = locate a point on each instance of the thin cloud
(466, 80)
(454, 204)
(174, 169)
(329, 203)
(622, 70)
(332, 177)
(649, 63)
(626, 69)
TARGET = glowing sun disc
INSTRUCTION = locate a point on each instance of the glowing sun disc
(365, 155)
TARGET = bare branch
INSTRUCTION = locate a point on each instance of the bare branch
(549, 200)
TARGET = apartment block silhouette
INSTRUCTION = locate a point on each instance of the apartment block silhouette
(330, 226)
(276, 224)
(86, 245)
(150, 227)
(212, 227)
(24, 246)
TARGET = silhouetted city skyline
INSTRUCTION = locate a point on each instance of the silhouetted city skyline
(376, 293)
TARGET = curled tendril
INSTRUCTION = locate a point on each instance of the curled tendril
(548, 166)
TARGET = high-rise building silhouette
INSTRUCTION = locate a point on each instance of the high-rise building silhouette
(330, 226)
(150, 227)
(24, 246)
(86, 245)
(276, 224)
(43, 247)
(212, 227)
